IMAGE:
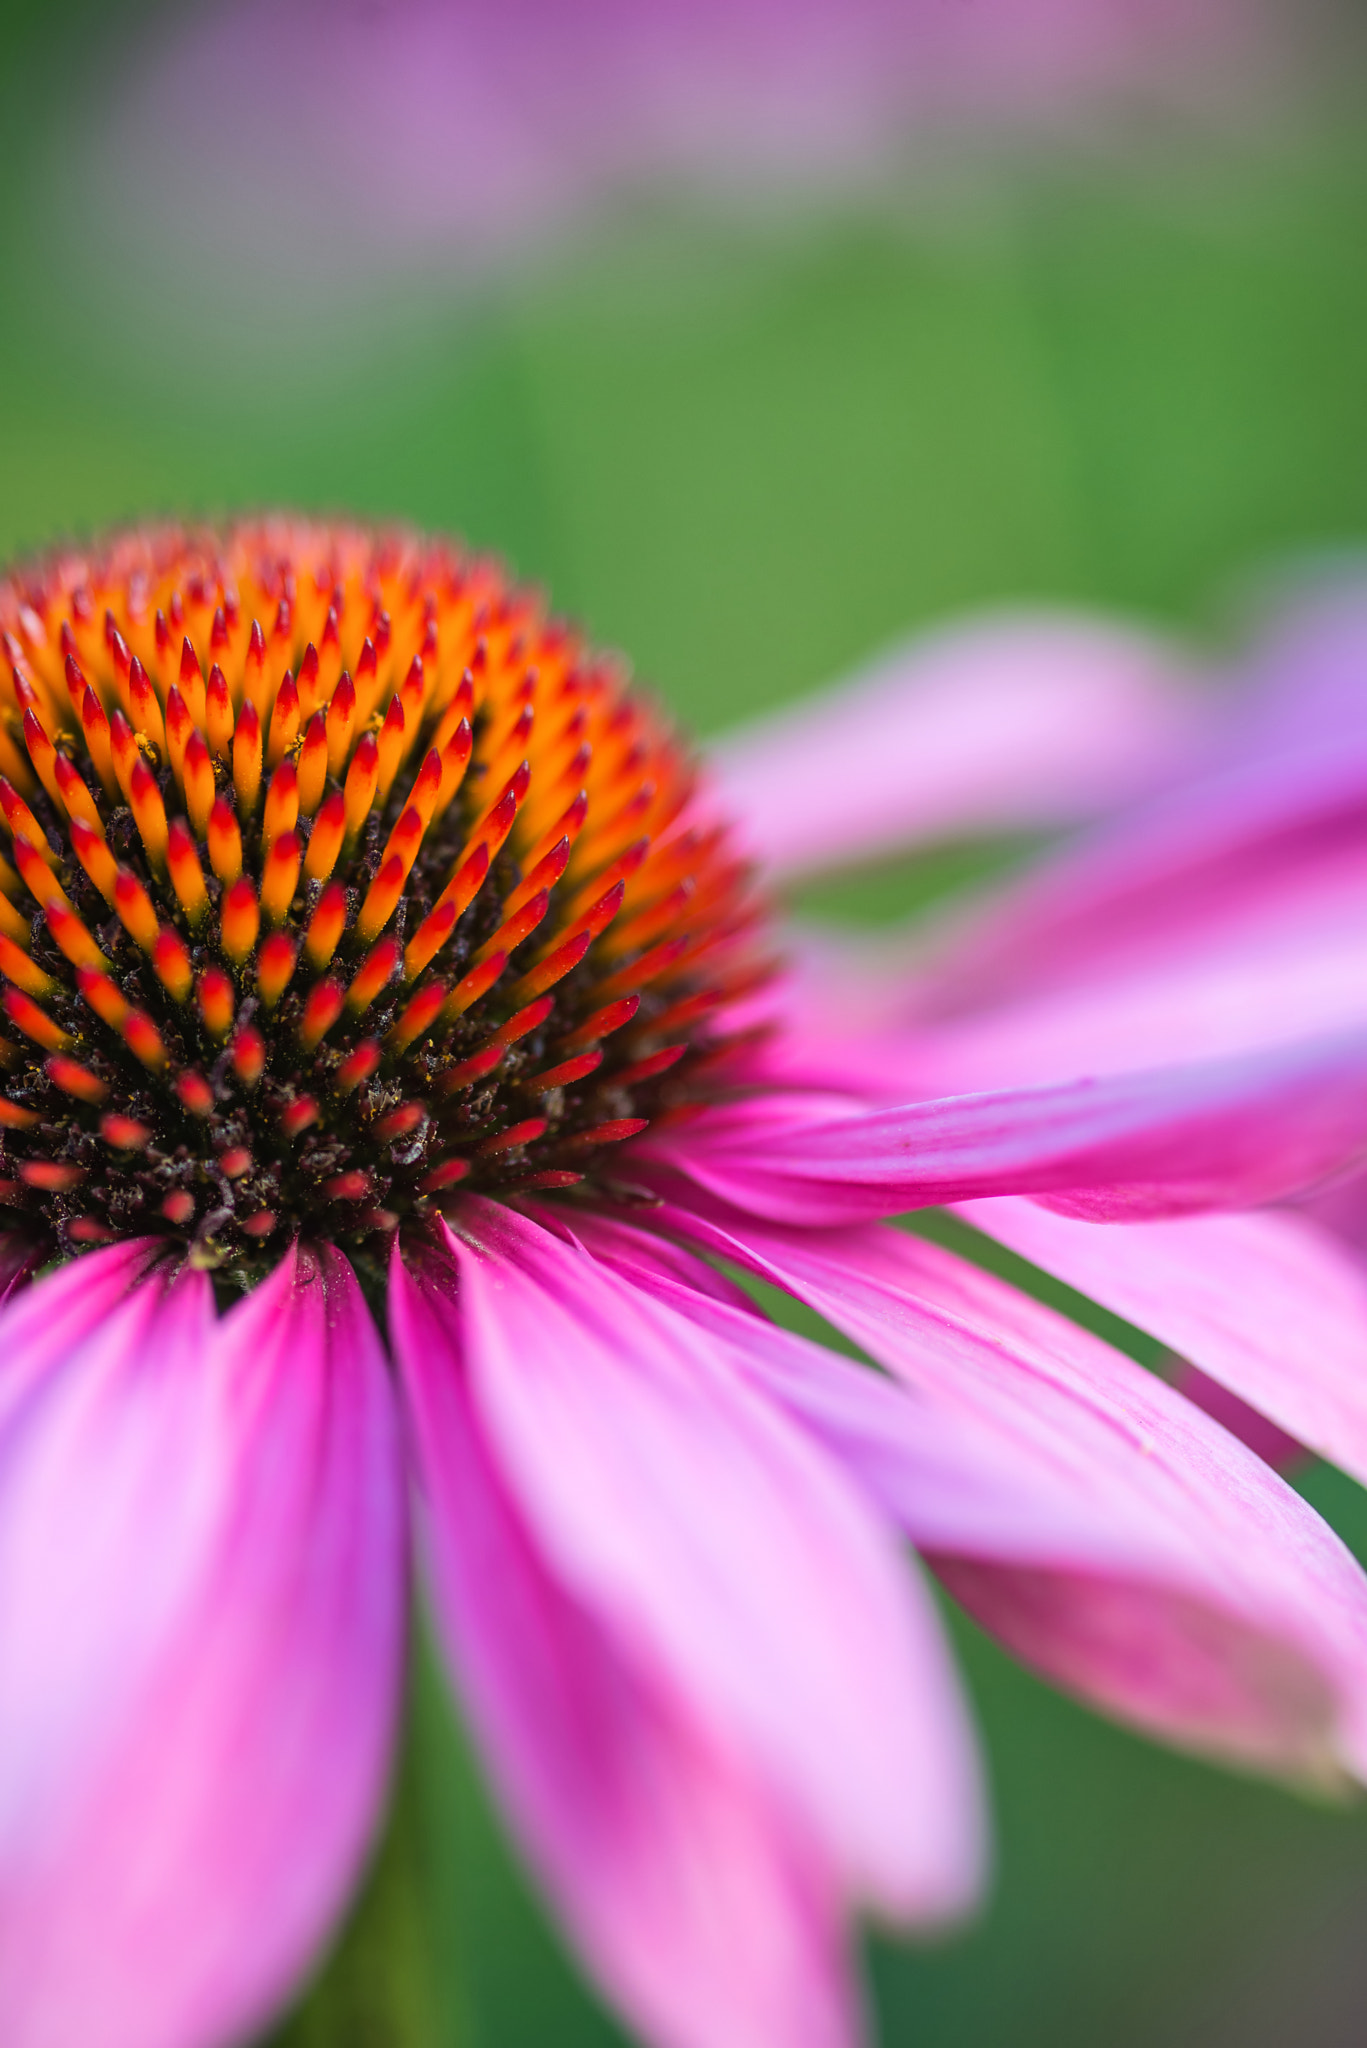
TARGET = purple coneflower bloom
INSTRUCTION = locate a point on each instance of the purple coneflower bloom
(365, 934)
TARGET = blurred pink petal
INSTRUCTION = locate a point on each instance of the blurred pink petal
(1212, 1134)
(1161, 1569)
(1265, 1304)
(1017, 722)
(303, 142)
(201, 1584)
(781, 1614)
(694, 1896)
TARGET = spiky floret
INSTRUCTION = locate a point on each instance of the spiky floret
(341, 878)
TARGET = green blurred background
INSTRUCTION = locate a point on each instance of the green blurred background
(749, 453)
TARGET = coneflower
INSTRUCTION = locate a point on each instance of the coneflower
(361, 925)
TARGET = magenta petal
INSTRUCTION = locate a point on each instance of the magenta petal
(1268, 1305)
(1111, 1534)
(1022, 721)
(703, 1910)
(201, 1598)
(726, 1553)
(1225, 1133)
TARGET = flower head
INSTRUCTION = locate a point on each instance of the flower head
(355, 919)
(341, 877)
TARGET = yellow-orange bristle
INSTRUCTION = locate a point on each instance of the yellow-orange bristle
(378, 968)
(416, 1017)
(284, 722)
(191, 683)
(341, 723)
(225, 842)
(389, 749)
(21, 821)
(322, 1008)
(357, 1067)
(280, 877)
(444, 1176)
(123, 746)
(134, 907)
(39, 879)
(108, 1002)
(520, 926)
(125, 1133)
(146, 711)
(72, 936)
(215, 996)
(51, 1175)
(19, 967)
(93, 854)
(455, 899)
(254, 671)
(282, 803)
(187, 876)
(13, 924)
(74, 1079)
(313, 764)
(171, 961)
(326, 925)
(95, 728)
(524, 1133)
(239, 920)
(476, 983)
(43, 755)
(455, 759)
(298, 1116)
(33, 1022)
(198, 782)
(611, 1133)
(274, 967)
(325, 840)
(362, 780)
(554, 967)
(569, 1071)
(179, 726)
(76, 685)
(382, 897)
(544, 875)
(149, 812)
(76, 798)
(247, 758)
(306, 680)
(248, 1055)
(218, 711)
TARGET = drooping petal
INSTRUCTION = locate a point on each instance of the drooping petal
(201, 1600)
(1112, 1535)
(725, 1551)
(704, 1911)
(1028, 720)
(1158, 883)
(1267, 1304)
(1226, 1133)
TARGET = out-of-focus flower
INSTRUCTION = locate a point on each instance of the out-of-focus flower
(307, 141)
(357, 925)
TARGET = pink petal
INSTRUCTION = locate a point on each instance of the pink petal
(1028, 720)
(731, 1558)
(1160, 882)
(1111, 1534)
(1267, 1304)
(703, 1910)
(1224, 1133)
(201, 1597)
